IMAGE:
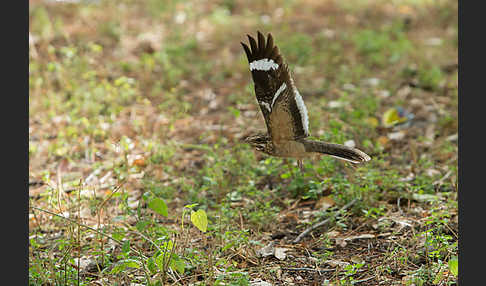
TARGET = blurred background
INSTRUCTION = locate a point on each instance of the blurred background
(137, 108)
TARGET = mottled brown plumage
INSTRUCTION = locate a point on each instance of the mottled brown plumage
(284, 110)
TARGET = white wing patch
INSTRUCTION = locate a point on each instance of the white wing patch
(263, 65)
(279, 91)
(263, 103)
(347, 160)
(302, 110)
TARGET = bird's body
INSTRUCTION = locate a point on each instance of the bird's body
(284, 110)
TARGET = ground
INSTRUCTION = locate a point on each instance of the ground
(136, 114)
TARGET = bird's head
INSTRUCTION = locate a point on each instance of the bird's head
(258, 141)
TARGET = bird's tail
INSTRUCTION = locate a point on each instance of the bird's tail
(342, 152)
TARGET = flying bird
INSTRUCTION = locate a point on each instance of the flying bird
(284, 110)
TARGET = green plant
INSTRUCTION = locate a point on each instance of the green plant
(430, 78)
(382, 47)
(350, 270)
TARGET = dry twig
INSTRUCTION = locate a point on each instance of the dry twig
(308, 230)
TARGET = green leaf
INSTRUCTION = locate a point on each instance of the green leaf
(124, 264)
(200, 220)
(118, 268)
(131, 263)
(118, 235)
(438, 278)
(159, 261)
(236, 112)
(159, 206)
(453, 266)
(285, 176)
(228, 246)
(190, 206)
(178, 264)
(141, 225)
(126, 246)
(152, 267)
(168, 245)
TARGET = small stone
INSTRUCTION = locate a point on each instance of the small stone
(328, 33)
(180, 17)
(259, 282)
(433, 41)
(373, 81)
(452, 137)
(408, 178)
(349, 86)
(266, 19)
(336, 104)
(384, 93)
(397, 136)
(404, 91)
(432, 172)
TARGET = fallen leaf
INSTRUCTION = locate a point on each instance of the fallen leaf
(392, 117)
(424, 197)
(139, 162)
(334, 263)
(357, 259)
(383, 140)
(266, 251)
(333, 234)
(324, 203)
(341, 242)
(280, 253)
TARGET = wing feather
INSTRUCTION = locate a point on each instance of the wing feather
(282, 106)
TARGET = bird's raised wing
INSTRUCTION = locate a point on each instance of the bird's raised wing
(281, 104)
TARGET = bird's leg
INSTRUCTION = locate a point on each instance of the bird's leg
(300, 162)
